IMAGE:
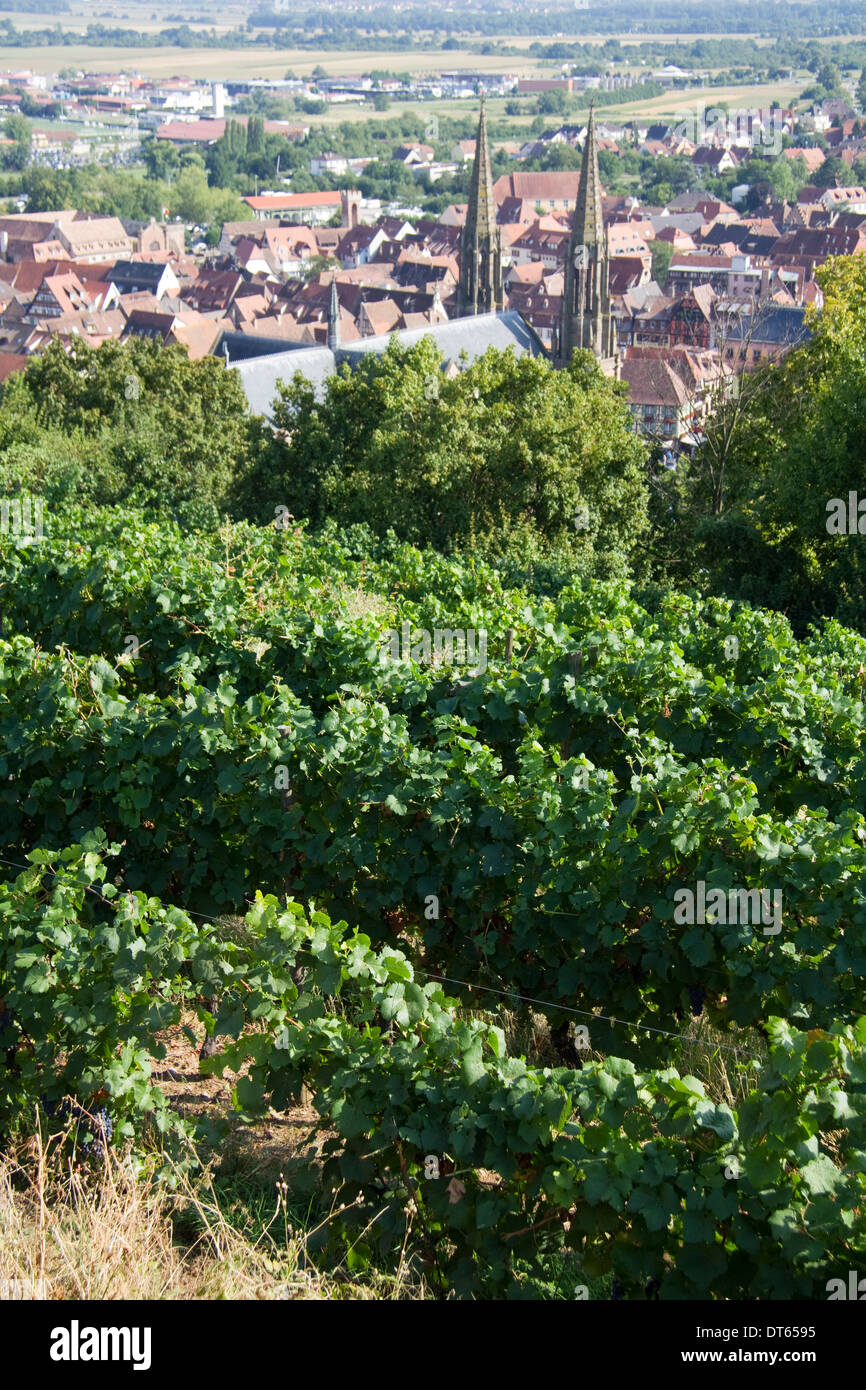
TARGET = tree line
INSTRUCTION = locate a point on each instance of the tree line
(535, 469)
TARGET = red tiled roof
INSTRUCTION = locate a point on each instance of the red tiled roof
(292, 200)
(538, 188)
(201, 130)
(11, 362)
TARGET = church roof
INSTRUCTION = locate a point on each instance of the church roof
(472, 336)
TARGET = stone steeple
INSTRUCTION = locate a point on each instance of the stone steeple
(334, 318)
(480, 243)
(586, 319)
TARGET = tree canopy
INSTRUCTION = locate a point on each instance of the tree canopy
(504, 455)
(126, 421)
(798, 445)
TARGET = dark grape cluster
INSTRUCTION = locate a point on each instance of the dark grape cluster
(97, 1125)
(696, 999)
(7, 1036)
(101, 1128)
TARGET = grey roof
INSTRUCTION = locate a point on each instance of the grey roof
(684, 221)
(245, 346)
(260, 376)
(773, 323)
(641, 295)
(136, 273)
(472, 335)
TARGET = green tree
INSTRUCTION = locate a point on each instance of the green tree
(552, 103)
(828, 77)
(161, 159)
(799, 442)
(502, 457)
(255, 142)
(560, 156)
(132, 420)
(662, 254)
(832, 171)
(17, 128)
(659, 194)
(47, 189)
(192, 198)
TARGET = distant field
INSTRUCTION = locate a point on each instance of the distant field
(681, 103)
(146, 18)
(523, 40)
(211, 63)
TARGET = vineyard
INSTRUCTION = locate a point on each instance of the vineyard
(228, 792)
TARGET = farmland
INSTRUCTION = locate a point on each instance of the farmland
(246, 63)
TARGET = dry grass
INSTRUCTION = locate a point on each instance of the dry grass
(238, 1227)
(105, 1232)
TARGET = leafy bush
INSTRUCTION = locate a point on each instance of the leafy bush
(485, 1165)
(553, 804)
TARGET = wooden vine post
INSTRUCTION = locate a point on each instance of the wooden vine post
(298, 972)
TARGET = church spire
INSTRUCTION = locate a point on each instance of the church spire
(334, 318)
(588, 228)
(480, 242)
(586, 320)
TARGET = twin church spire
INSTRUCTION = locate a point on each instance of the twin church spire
(585, 320)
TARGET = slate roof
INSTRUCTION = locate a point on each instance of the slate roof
(472, 335)
(140, 274)
(774, 323)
